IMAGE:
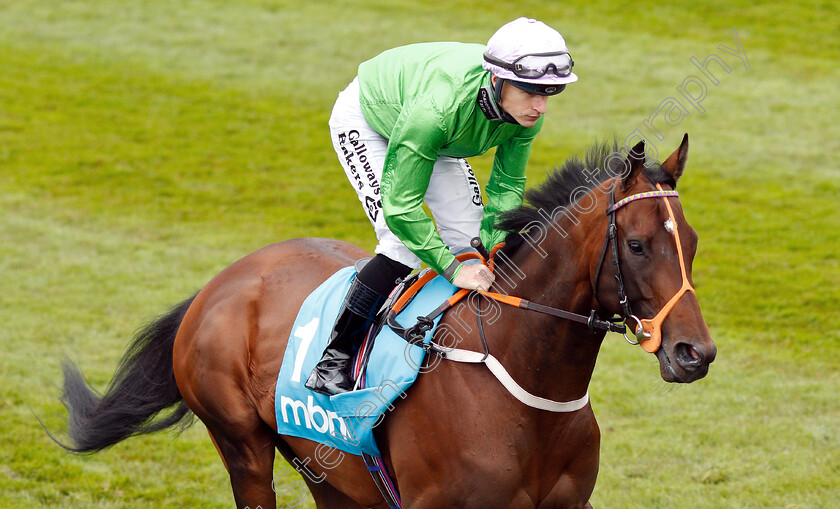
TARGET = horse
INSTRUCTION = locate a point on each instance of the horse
(457, 437)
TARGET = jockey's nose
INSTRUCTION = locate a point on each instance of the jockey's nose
(540, 104)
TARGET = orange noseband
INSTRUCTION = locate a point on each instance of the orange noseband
(649, 331)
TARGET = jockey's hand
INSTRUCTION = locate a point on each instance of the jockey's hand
(474, 277)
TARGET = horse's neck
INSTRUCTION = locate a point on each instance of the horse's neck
(552, 356)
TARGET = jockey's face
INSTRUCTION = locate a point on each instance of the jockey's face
(524, 107)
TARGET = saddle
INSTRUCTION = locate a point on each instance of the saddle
(383, 369)
(400, 296)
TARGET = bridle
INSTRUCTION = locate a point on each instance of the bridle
(648, 331)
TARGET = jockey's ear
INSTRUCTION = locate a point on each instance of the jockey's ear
(675, 164)
(636, 162)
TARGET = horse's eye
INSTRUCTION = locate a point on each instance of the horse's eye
(636, 247)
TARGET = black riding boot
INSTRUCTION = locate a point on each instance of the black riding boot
(366, 295)
(332, 373)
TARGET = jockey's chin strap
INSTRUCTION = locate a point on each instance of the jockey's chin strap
(649, 330)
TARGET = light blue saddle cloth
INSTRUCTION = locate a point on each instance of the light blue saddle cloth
(346, 421)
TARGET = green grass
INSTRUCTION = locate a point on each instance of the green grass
(144, 146)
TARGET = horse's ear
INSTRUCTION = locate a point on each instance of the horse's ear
(675, 164)
(636, 163)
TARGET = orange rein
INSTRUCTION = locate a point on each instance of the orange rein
(425, 322)
(461, 293)
(410, 292)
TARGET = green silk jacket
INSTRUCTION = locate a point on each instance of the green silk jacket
(424, 98)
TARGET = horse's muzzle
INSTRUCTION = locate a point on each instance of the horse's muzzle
(686, 362)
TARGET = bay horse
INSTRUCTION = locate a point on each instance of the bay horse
(458, 438)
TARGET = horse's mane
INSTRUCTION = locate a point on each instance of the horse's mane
(563, 186)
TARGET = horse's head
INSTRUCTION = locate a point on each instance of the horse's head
(655, 250)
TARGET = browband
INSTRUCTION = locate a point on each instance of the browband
(641, 196)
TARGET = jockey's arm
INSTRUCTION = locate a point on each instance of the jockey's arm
(507, 183)
(413, 145)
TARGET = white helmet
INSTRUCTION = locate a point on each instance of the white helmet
(527, 51)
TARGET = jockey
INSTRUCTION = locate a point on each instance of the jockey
(402, 129)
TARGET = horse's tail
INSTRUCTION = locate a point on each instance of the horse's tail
(142, 387)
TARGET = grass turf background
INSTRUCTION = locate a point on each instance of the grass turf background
(145, 146)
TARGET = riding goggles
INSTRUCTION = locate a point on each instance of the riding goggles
(536, 65)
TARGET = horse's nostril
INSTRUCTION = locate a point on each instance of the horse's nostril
(688, 356)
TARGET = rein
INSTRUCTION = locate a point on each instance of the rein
(591, 320)
(416, 334)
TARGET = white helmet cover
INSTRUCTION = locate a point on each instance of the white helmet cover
(522, 38)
